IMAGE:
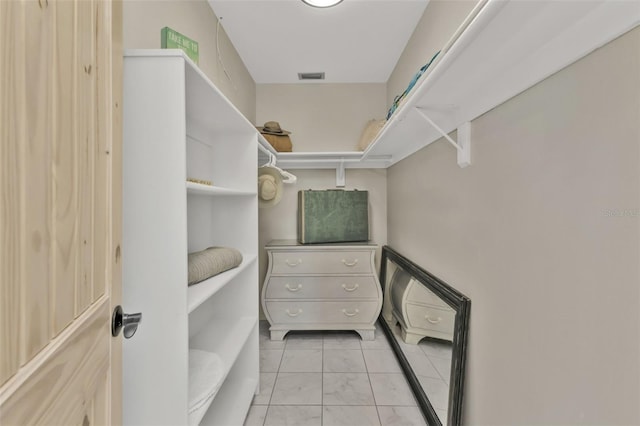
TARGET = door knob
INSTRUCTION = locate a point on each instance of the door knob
(129, 322)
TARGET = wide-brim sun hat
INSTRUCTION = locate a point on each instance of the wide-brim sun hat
(273, 128)
(270, 186)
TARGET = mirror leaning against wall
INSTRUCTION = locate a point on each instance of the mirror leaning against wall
(426, 321)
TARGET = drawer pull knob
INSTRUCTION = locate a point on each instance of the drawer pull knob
(432, 320)
(293, 263)
(354, 288)
(350, 264)
(351, 314)
(291, 314)
(288, 287)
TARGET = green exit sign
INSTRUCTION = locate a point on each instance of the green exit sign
(172, 39)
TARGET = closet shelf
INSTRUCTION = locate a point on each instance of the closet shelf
(332, 160)
(199, 293)
(203, 97)
(503, 48)
(179, 126)
(205, 378)
(227, 410)
(229, 337)
(198, 188)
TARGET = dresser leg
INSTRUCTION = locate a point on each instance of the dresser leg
(278, 334)
(366, 334)
(411, 338)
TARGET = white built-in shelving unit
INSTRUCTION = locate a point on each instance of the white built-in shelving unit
(178, 125)
(501, 49)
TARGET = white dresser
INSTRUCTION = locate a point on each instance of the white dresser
(418, 310)
(321, 287)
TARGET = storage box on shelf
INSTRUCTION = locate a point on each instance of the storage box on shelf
(177, 125)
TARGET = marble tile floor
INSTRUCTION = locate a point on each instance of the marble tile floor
(331, 378)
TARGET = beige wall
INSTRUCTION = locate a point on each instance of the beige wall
(143, 20)
(542, 232)
(321, 117)
(280, 221)
(439, 22)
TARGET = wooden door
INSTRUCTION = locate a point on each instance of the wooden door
(60, 174)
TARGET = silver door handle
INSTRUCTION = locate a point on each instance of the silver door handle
(129, 322)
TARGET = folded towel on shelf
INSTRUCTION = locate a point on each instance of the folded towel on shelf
(212, 261)
(206, 371)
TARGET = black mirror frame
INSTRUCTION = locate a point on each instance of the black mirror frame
(462, 305)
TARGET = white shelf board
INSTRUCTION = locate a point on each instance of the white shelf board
(231, 405)
(203, 97)
(200, 292)
(504, 47)
(225, 338)
(203, 378)
(198, 188)
(331, 160)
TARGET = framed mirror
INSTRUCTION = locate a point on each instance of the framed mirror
(426, 321)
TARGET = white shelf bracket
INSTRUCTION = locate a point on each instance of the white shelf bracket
(462, 146)
(340, 175)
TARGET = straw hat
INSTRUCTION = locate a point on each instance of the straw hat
(273, 128)
(269, 186)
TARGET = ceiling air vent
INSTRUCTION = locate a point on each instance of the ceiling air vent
(310, 76)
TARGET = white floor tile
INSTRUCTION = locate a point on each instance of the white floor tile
(303, 340)
(437, 391)
(346, 389)
(270, 360)
(294, 415)
(297, 389)
(267, 380)
(443, 366)
(421, 364)
(380, 341)
(391, 389)
(335, 378)
(436, 348)
(401, 416)
(350, 416)
(342, 340)
(343, 361)
(301, 361)
(408, 347)
(256, 415)
(267, 343)
(381, 361)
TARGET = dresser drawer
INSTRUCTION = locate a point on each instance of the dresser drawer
(431, 318)
(321, 262)
(314, 312)
(418, 293)
(329, 287)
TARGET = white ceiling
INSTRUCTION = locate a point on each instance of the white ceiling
(357, 41)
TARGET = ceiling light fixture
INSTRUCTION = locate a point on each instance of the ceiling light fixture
(321, 3)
